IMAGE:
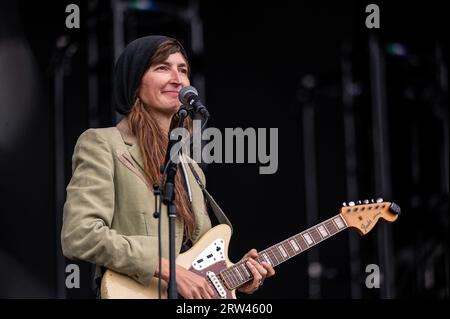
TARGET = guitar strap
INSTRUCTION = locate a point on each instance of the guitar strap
(218, 212)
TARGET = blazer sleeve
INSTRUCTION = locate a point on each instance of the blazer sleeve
(88, 212)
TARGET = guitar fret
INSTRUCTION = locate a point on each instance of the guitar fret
(339, 222)
(302, 243)
(278, 255)
(272, 257)
(283, 252)
(331, 227)
(288, 248)
(229, 278)
(308, 239)
(226, 278)
(315, 235)
(271, 253)
(233, 278)
(298, 244)
(247, 273)
(335, 225)
(323, 232)
(294, 245)
(266, 258)
(241, 279)
(236, 277)
(240, 273)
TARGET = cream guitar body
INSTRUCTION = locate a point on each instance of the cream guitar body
(209, 255)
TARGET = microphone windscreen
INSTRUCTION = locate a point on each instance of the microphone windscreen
(185, 92)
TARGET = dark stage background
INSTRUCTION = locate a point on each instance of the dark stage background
(361, 113)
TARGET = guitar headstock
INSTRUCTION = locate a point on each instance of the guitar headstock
(363, 215)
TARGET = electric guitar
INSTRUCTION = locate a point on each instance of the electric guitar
(209, 259)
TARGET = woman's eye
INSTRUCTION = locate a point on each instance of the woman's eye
(162, 67)
(184, 71)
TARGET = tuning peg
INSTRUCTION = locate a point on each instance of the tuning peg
(379, 200)
(359, 202)
(366, 201)
(372, 200)
(344, 204)
(351, 203)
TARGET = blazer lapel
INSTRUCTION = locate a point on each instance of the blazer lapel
(136, 155)
(131, 141)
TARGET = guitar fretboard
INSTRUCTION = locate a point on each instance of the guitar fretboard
(238, 274)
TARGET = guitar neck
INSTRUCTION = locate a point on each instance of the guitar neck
(238, 274)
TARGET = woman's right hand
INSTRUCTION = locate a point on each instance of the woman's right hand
(189, 284)
(193, 286)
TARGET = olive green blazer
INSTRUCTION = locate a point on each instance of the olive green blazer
(108, 214)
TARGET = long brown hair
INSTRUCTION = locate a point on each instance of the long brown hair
(153, 142)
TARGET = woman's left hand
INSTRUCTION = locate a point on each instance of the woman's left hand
(260, 272)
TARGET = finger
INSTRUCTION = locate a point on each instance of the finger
(188, 295)
(196, 295)
(191, 295)
(252, 253)
(262, 271)
(205, 295)
(203, 291)
(210, 290)
(256, 275)
(269, 268)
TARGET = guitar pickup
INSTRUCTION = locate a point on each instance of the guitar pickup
(217, 284)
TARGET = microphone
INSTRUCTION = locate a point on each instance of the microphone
(189, 95)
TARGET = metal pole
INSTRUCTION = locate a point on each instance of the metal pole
(118, 9)
(309, 151)
(349, 89)
(58, 127)
(382, 174)
(92, 66)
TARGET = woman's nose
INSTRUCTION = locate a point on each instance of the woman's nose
(176, 77)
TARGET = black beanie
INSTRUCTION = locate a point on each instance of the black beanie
(130, 68)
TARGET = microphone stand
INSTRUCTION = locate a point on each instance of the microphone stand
(168, 198)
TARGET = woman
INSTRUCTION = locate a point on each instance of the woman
(108, 214)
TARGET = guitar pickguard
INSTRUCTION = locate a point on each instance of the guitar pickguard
(212, 254)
